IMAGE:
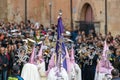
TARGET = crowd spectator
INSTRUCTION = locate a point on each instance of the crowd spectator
(115, 74)
(15, 74)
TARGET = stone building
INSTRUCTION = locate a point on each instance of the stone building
(91, 11)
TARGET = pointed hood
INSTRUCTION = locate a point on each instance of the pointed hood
(52, 62)
(31, 60)
(67, 54)
(40, 51)
(105, 49)
(72, 55)
(67, 60)
(104, 65)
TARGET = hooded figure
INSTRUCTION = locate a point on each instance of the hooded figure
(104, 67)
(51, 63)
(76, 66)
(58, 72)
(41, 64)
(30, 70)
(74, 70)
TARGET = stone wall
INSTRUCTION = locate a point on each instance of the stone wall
(98, 6)
(15, 10)
(37, 11)
(3, 10)
(114, 16)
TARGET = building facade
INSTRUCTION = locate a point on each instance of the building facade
(91, 11)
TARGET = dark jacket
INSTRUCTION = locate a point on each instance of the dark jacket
(3, 60)
(116, 63)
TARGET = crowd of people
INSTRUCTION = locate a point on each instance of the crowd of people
(97, 56)
(14, 46)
